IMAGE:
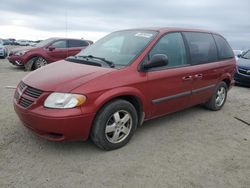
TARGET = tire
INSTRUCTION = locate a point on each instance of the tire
(39, 62)
(30, 64)
(219, 97)
(114, 125)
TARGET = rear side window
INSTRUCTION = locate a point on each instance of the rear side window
(224, 50)
(173, 46)
(77, 43)
(202, 47)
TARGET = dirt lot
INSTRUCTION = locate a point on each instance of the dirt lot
(191, 148)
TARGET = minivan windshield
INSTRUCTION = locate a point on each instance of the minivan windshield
(119, 48)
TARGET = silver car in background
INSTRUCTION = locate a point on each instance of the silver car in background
(23, 42)
(3, 50)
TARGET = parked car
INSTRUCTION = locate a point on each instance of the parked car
(3, 50)
(33, 43)
(22, 42)
(6, 42)
(38, 41)
(13, 41)
(47, 51)
(242, 75)
(125, 78)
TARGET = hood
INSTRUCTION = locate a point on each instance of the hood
(63, 76)
(244, 63)
(22, 48)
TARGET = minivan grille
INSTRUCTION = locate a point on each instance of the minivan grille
(244, 71)
(32, 92)
(25, 102)
(26, 95)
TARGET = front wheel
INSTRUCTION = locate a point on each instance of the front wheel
(219, 97)
(114, 125)
(40, 62)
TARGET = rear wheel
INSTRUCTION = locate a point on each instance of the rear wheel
(219, 97)
(114, 125)
(39, 62)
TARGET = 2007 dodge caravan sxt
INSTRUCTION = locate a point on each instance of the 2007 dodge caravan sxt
(110, 88)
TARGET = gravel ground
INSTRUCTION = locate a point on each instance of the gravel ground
(191, 148)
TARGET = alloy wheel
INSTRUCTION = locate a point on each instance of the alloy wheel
(220, 97)
(40, 62)
(118, 126)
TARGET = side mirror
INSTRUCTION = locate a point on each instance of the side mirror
(51, 48)
(158, 60)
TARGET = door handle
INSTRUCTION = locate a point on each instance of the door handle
(187, 78)
(199, 76)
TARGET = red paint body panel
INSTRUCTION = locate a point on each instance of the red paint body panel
(63, 76)
(101, 85)
(48, 122)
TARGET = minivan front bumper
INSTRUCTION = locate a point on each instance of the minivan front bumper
(56, 128)
(17, 60)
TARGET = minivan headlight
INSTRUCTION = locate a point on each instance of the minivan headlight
(64, 100)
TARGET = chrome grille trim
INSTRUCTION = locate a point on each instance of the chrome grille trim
(31, 94)
(25, 102)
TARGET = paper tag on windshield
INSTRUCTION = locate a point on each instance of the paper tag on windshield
(146, 35)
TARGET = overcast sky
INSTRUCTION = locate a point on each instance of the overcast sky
(92, 19)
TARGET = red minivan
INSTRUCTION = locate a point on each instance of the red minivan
(125, 78)
(47, 51)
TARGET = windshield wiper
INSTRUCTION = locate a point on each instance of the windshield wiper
(244, 57)
(110, 63)
(74, 59)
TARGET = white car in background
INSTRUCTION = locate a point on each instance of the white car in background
(32, 43)
(3, 50)
(23, 42)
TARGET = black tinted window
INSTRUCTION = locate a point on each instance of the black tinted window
(202, 47)
(77, 43)
(60, 44)
(224, 50)
(173, 46)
